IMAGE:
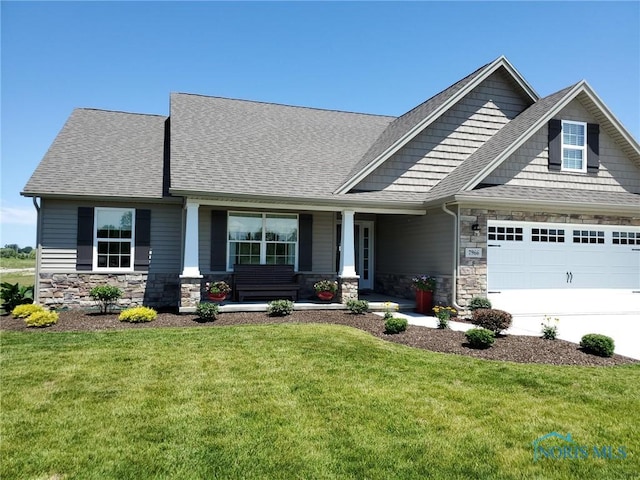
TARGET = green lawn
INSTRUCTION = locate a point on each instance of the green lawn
(23, 278)
(296, 401)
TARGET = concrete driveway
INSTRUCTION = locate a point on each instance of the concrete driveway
(624, 328)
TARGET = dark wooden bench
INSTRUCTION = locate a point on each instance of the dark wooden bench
(265, 282)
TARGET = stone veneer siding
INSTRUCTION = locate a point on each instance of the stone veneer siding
(347, 289)
(71, 290)
(472, 274)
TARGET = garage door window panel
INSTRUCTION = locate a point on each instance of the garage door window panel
(589, 237)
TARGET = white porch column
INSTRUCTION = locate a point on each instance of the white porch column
(347, 247)
(191, 254)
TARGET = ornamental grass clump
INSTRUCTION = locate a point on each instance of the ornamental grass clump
(280, 308)
(357, 307)
(597, 344)
(480, 337)
(492, 319)
(138, 315)
(206, 311)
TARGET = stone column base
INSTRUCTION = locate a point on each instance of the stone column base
(189, 293)
(347, 289)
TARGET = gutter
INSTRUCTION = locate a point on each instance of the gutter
(36, 285)
(454, 283)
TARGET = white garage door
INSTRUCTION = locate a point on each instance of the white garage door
(543, 268)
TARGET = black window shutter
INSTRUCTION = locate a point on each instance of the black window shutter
(84, 241)
(593, 147)
(305, 250)
(218, 240)
(555, 144)
(143, 240)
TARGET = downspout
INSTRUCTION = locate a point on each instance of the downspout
(36, 284)
(454, 282)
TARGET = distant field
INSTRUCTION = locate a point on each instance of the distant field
(23, 278)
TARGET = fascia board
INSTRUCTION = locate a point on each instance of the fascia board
(552, 205)
(406, 138)
(310, 204)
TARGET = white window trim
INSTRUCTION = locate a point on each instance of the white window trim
(582, 148)
(95, 241)
(263, 243)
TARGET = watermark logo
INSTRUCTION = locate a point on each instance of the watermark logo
(554, 446)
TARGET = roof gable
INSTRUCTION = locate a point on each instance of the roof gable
(406, 127)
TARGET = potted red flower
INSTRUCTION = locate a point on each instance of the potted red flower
(326, 289)
(217, 291)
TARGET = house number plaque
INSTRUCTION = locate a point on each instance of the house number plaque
(473, 252)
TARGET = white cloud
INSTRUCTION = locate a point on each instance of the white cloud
(18, 216)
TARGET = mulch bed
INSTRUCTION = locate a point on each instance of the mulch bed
(513, 348)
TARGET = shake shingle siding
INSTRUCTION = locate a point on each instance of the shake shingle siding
(449, 140)
(528, 166)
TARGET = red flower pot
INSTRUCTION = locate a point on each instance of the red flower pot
(424, 302)
(325, 295)
(217, 297)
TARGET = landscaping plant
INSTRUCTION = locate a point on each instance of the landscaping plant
(23, 311)
(13, 295)
(480, 337)
(42, 318)
(138, 315)
(280, 308)
(207, 311)
(550, 328)
(597, 344)
(357, 307)
(106, 296)
(492, 319)
(444, 314)
(479, 302)
(393, 325)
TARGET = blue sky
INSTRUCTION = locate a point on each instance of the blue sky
(373, 57)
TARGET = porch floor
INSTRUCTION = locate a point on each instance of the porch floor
(377, 302)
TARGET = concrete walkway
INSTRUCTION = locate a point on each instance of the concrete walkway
(623, 328)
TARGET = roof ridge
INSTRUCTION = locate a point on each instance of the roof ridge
(302, 107)
(106, 110)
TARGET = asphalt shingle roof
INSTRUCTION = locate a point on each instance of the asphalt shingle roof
(220, 145)
(103, 153)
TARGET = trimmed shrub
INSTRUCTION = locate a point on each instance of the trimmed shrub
(492, 319)
(395, 325)
(41, 319)
(26, 310)
(207, 311)
(479, 302)
(106, 296)
(280, 308)
(138, 315)
(597, 344)
(357, 307)
(480, 337)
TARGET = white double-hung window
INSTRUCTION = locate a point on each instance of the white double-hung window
(574, 146)
(113, 239)
(262, 238)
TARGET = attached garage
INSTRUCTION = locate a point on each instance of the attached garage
(545, 268)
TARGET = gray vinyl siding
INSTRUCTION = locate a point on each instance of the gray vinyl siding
(413, 245)
(448, 141)
(528, 166)
(204, 239)
(59, 235)
(324, 242)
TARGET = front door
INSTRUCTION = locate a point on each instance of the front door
(363, 244)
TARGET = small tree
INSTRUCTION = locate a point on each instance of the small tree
(106, 296)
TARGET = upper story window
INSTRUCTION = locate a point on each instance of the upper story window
(262, 238)
(113, 239)
(574, 146)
